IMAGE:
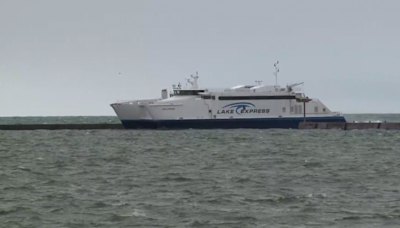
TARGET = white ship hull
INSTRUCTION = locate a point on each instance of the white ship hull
(181, 113)
(134, 114)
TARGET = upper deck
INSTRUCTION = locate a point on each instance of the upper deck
(254, 90)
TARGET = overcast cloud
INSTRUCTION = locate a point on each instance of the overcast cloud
(76, 57)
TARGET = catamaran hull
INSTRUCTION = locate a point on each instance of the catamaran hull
(259, 123)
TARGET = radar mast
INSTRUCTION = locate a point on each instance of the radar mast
(276, 73)
(194, 81)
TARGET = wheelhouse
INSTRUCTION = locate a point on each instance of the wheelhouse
(184, 92)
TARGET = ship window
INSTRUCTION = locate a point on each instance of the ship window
(206, 97)
(316, 109)
(213, 97)
(300, 109)
(324, 110)
(291, 109)
(284, 109)
(256, 97)
(295, 109)
(187, 92)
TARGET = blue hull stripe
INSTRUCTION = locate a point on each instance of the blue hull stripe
(264, 123)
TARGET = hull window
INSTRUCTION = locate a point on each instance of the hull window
(208, 97)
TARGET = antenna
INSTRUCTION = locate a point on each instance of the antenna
(194, 82)
(276, 72)
(188, 80)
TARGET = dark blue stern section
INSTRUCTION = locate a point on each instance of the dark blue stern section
(261, 123)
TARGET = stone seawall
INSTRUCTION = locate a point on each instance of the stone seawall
(349, 126)
(60, 126)
(302, 125)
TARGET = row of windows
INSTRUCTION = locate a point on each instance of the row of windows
(251, 98)
(196, 92)
(187, 92)
(298, 109)
(208, 97)
(257, 98)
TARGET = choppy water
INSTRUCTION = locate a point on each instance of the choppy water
(200, 178)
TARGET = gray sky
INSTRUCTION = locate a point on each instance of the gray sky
(64, 57)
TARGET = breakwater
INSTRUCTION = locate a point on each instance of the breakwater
(61, 126)
(302, 125)
(350, 126)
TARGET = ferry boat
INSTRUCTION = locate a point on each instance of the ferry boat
(243, 106)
